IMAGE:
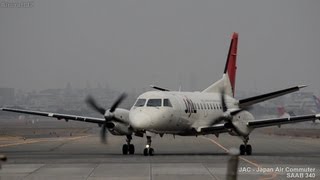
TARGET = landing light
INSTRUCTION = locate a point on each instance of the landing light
(147, 146)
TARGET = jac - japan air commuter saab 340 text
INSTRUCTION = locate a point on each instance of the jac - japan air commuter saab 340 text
(211, 111)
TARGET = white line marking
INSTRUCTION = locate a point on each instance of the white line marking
(273, 175)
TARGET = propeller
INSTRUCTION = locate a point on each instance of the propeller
(117, 102)
(228, 113)
(93, 104)
(108, 114)
(223, 100)
(103, 134)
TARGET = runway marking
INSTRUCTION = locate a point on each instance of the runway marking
(42, 140)
(15, 144)
(273, 174)
(211, 174)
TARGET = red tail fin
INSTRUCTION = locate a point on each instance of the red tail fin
(228, 80)
(281, 111)
(317, 102)
(231, 65)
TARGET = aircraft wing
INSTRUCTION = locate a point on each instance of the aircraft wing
(256, 99)
(221, 128)
(280, 121)
(57, 115)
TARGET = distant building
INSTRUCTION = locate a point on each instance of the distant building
(6, 96)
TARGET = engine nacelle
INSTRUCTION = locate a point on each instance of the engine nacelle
(122, 114)
(120, 129)
(239, 124)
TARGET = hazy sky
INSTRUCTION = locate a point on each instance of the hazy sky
(132, 44)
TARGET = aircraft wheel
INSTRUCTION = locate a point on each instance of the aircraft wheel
(248, 149)
(125, 149)
(131, 149)
(151, 151)
(145, 152)
(242, 149)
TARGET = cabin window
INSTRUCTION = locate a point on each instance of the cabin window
(154, 103)
(140, 102)
(194, 108)
(166, 102)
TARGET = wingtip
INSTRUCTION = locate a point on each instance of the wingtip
(302, 86)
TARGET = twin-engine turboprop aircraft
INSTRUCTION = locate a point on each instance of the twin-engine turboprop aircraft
(211, 111)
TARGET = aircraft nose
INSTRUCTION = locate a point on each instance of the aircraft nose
(139, 120)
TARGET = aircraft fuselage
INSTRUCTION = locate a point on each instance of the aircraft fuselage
(186, 111)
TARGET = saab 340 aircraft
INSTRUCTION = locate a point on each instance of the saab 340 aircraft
(211, 111)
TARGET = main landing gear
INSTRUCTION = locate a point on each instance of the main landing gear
(128, 148)
(148, 150)
(245, 148)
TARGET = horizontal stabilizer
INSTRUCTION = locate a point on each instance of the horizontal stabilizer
(257, 99)
(159, 88)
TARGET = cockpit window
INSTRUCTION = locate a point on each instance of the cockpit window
(140, 102)
(154, 102)
(166, 102)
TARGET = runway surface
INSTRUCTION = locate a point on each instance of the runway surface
(84, 157)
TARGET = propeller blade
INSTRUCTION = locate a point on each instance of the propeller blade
(233, 113)
(103, 134)
(223, 100)
(93, 104)
(228, 116)
(117, 102)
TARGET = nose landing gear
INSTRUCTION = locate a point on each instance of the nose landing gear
(128, 148)
(245, 148)
(148, 150)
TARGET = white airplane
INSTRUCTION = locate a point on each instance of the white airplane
(211, 111)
